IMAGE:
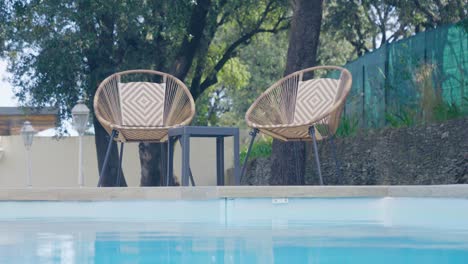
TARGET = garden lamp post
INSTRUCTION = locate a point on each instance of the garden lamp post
(27, 132)
(80, 115)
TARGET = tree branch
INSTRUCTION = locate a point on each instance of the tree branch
(223, 19)
(229, 53)
(225, 15)
(432, 17)
(397, 33)
(188, 49)
(208, 36)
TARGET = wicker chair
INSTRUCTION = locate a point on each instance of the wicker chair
(298, 108)
(140, 106)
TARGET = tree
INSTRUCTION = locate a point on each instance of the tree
(246, 76)
(217, 102)
(3, 18)
(288, 158)
(256, 67)
(60, 51)
(369, 24)
(211, 54)
(433, 13)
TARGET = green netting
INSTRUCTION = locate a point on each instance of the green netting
(393, 79)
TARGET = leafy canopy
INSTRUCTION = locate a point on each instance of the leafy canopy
(59, 51)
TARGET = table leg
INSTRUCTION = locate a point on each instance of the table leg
(220, 160)
(170, 162)
(236, 158)
(185, 142)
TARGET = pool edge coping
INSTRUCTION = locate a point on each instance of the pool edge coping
(217, 192)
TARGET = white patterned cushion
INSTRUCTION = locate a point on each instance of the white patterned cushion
(142, 103)
(314, 98)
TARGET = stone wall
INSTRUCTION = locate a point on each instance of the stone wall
(431, 154)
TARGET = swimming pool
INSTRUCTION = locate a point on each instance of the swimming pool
(257, 230)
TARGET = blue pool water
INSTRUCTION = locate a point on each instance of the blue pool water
(364, 230)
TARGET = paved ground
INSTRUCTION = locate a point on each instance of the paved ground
(212, 192)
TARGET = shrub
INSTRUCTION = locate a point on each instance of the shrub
(260, 149)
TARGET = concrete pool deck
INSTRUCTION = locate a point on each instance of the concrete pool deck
(215, 192)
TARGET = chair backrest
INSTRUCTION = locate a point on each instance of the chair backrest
(314, 98)
(297, 98)
(142, 103)
(143, 98)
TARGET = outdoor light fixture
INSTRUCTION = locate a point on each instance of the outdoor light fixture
(27, 132)
(80, 116)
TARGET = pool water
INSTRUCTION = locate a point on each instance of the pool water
(365, 230)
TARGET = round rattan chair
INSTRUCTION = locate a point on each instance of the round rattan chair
(299, 107)
(141, 106)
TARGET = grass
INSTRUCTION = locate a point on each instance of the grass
(260, 149)
(348, 127)
(405, 118)
(432, 106)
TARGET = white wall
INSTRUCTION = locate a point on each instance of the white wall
(55, 162)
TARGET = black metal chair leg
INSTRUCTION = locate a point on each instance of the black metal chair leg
(253, 134)
(106, 159)
(337, 161)
(317, 161)
(191, 177)
(119, 173)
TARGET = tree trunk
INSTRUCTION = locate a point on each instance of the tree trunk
(153, 157)
(288, 166)
(191, 42)
(101, 139)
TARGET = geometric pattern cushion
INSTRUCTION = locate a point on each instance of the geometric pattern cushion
(314, 98)
(142, 103)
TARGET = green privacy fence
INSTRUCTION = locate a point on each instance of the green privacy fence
(395, 78)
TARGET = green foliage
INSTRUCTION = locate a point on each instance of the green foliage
(234, 74)
(348, 127)
(214, 107)
(463, 24)
(59, 51)
(265, 59)
(255, 68)
(260, 149)
(369, 24)
(446, 111)
(334, 50)
(439, 112)
(405, 118)
(432, 104)
(349, 20)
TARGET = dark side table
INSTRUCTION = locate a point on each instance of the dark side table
(185, 133)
